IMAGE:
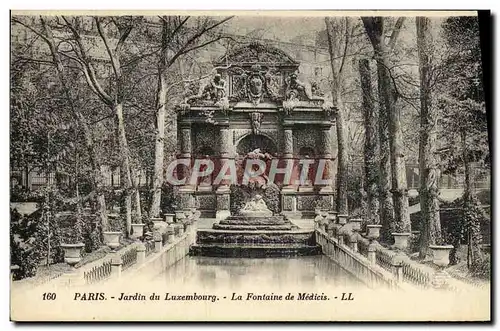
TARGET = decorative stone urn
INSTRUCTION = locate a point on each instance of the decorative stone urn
(137, 230)
(72, 253)
(112, 239)
(441, 254)
(373, 231)
(179, 215)
(342, 218)
(169, 218)
(159, 224)
(401, 240)
(356, 224)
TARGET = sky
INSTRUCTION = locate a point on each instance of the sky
(282, 28)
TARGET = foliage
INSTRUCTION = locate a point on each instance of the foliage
(26, 242)
(462, 97)
(461, 221)
(91, 233)
(236, 198)
(482, 267)
(168, 198)
(355, 188)
(272, 198)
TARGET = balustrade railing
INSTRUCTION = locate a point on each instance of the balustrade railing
(150, 247)
(129, 258)
(409, 271)
(98, 273)
(416, 276)
(384, 259)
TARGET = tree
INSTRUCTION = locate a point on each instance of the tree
(371, 145)
(45, 33)
(177, 39)
(115, 96)
(394, 213)
(462, 104)
(429, 204)
(339, 31)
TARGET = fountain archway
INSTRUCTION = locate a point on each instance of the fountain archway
(252, 141)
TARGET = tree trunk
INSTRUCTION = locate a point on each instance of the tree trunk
(342, 206)
(371, 148)
(161, 100)
(375, 30)
(468, 199)
(389, 116)
(159, 147)
(336, 50)
(124, 154)
(137, 196)
(428, 170)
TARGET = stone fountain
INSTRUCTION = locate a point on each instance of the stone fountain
(255, 231)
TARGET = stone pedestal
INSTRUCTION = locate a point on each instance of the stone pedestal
(116, 265)
(223, 210)
(169, 218)
(141, 253)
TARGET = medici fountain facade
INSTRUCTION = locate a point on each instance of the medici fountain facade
(268, 141)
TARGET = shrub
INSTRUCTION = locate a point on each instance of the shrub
(168, 198)
(236, 198)
(91, 232)
(26, 244)
(272, 198)
(481, 267)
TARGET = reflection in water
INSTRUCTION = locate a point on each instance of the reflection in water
(209, 273)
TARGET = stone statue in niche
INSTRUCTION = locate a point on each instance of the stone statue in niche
(256, 206)
(256, 121)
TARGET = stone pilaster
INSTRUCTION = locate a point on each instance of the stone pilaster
(287, 142)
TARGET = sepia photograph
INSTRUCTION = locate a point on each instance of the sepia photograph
(253, 166)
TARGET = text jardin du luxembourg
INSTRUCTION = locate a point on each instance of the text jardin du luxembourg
(248, 296)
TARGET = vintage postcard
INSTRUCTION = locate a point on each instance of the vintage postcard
(249, 166)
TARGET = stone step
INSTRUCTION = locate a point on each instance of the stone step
(254, 251)
(271, 227)
(255, 237)
(255, 221)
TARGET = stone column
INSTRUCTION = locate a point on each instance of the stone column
(329, 171)
(185, 140)
(288, 198)
(226, 155)
(186, 153)
(287, 143)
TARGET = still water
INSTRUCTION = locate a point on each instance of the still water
(209, 273)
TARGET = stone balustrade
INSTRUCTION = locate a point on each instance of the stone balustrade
(372, 262)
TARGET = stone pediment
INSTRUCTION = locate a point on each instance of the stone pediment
(255, 75)
(256, 53)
